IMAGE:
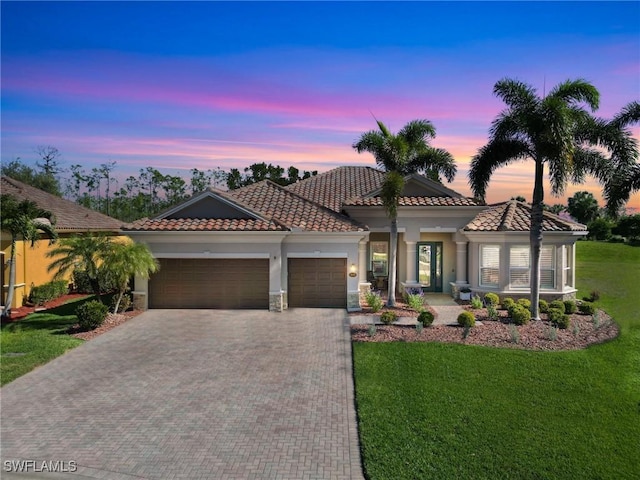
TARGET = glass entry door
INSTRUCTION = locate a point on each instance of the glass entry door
(430, 266)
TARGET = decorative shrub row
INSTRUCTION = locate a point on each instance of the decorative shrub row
(507, 303)
(91, 314)
(49, 291)
(587, 308)
(491, 299)
(557, 305)
(82, 284)
(558, 318)
(466, 319)
(543, 306)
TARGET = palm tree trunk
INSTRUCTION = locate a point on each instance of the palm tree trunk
(536, 238)
(393, 255)
(117, 305)
(12, 279)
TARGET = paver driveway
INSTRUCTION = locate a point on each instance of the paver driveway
(195, 394)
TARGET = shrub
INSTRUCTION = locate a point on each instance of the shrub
(557, 305)
(587, 308)
(49, 291)
(507, 303)
(514, 334)
(552, 334)
(561, 321)
(543, 306)
(419, 328)
(415, 301)
(82, 284)
(125, 303)
(91, 314)
(492, 313)
(388, 317)
(491, 299)
(425, 318)
(520, 315)
(476, 302)
(371, 330)
(374, 301)
(525, 302)
(570, 306)
(555, 315)
(467, 319)
(595, 295)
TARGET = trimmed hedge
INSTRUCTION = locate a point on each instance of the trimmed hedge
(91, 314)
(507, 303)
(570, 306)
(558, 305)
(49, 291)
(587, 308)
(491, 299)
(388, 317)
(543, 306)
(425, 318)
(520, 315)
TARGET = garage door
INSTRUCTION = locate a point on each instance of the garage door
(317, 282)
(204, 283)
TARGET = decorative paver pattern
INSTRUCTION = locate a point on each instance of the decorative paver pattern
(195, 394)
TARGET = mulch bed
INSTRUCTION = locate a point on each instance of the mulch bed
(112, 321)
(20, 313)
(536, 335)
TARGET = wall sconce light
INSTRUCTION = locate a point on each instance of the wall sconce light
(353, 271)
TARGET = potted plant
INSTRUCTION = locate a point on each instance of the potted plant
(465, 293)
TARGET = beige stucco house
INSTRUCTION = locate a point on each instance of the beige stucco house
(323, 241)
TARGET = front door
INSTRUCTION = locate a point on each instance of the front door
(430, 266)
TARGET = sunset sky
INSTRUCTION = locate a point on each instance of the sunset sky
(227, 84)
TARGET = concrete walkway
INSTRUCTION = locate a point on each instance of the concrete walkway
(447, 311)
(193, 394)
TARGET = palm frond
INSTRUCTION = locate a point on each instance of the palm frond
(515, 93)
(629, 115)
(572, 91)
(436, 161)
(492, 156)
(417, 131)
(391, 190)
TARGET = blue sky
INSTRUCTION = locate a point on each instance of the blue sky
(226, 84)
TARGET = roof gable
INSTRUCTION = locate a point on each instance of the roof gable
(70, 217)
(209, 205)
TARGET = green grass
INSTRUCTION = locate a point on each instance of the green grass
(455, 411)
(36, 340)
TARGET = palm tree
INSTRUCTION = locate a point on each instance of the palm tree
(22, 220)
(623, 176)
(399, 155)
(83, 252)
(125, 260)
(548, 130)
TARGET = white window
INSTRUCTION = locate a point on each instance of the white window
(490, 265)
(520, 267)
(380, 258)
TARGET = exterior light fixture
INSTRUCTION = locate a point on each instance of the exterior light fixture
(353, 270)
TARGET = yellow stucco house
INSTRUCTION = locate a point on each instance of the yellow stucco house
(32, 262)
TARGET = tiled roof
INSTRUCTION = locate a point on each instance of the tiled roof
(69, 215)
(292, 210)
(331, 189)
(515, 216)
(417, 202)
(203, 224)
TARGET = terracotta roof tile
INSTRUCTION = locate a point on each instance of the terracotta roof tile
(69, 215)
(417, 202)
(291, 209)
(515, 216)
(331, 189)
(203, 224)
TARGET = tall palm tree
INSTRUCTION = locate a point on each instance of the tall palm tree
(548, 130)
(83, 252)
(22, 220)
(399, 155)
(125, 260)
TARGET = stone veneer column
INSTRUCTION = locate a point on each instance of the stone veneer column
(461, 263)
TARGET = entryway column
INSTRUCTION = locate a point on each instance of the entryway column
(362, 261)
(411, 263)
(461, 263)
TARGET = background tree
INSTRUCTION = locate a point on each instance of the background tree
(49, 169)
(261, 171)
(549, 131)
(399, 155)
(583, 207)
(31, 176)
(125, 260)
(600, 229)
(628, 226)
(23, 220)
(82, 252)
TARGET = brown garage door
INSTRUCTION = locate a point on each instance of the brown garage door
(204, 283)
(317, 282)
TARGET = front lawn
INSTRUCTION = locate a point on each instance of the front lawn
(36, 340)
(429, 410)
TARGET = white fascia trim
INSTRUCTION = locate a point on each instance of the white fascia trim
(212, 255)
(438, 230)
(317, 255)
(387, 230)
(209, 237)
